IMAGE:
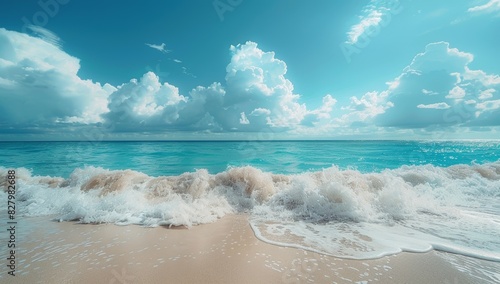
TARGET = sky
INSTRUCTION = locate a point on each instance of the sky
(242, 69)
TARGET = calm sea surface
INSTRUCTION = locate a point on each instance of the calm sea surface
(174, 158)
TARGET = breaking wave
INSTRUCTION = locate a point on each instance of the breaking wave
(344, 213)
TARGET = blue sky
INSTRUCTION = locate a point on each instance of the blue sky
(241, 69)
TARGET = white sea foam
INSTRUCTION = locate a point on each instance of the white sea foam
(344, 213)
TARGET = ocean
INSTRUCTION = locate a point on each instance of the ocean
(349, 199)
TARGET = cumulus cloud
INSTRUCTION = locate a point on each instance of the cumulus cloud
(244, 119)
(365, 108)
(143, 104)
(257, 84)
(456, 93)
(40, 90)
(436, 89)
(321, 116)
(39, 85)
(256, 96)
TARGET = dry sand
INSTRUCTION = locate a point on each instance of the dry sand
(223, 252)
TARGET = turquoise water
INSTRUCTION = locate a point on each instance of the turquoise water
(289, 157)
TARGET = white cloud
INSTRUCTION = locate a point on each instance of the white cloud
(45, 35)
(326, 108)
(456, 93)
(160, 47)
(485, 79)
(489, 105)
(486, 94)
(256, 80)
(440, 55)
(39, 85)
(491, 6)
(365, 108)
(260, 111)
(320, 117)
(488, 113)
(375, 14)
(244, 119)
(371, 20)
(256, 96)
(435, 106)
(437, 89)
(41, 79)
(144, 104)
(430, 93)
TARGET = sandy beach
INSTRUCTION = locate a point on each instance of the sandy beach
(222, 252)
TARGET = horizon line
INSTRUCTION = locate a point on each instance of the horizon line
(257, 140)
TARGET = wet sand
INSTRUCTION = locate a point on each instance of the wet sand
(223, 252)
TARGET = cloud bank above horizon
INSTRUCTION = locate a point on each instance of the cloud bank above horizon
(41, 92)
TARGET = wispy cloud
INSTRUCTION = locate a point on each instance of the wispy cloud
(45, 35)
(177, 61)
(185, 71)
(372, 17)
(434, 106)
(491, 6)
(162, 47)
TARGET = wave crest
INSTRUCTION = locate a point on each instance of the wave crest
(330, 194)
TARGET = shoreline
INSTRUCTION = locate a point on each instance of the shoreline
(226, 251)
